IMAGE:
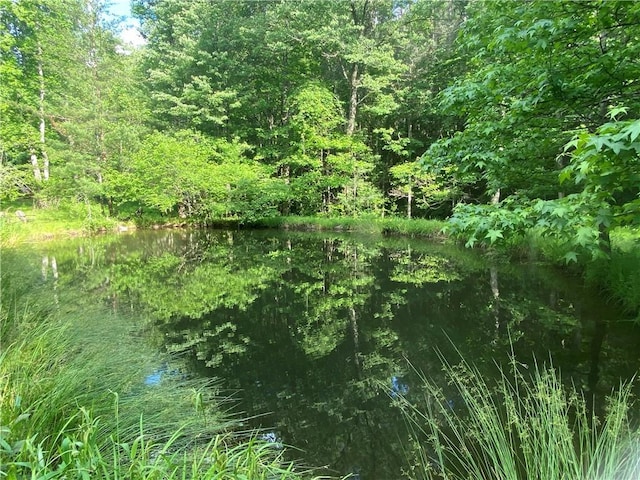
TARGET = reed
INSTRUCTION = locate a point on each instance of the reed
(523, 427)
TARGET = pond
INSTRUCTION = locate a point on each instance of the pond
(318, 333)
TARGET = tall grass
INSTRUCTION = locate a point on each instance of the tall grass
(63, 219)
(521, 428)
(373, 225)
(74, 404)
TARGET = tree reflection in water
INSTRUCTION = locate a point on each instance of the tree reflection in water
(319, 333)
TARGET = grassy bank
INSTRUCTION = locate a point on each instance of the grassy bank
(71, 219)
(431, 229)
(22, 222)
(524, 426)
(76, 401)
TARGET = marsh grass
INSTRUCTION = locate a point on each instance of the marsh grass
(80, 453)
(523, 427)
(75, 404)
(371, 225)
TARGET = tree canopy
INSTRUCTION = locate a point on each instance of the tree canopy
(549, 102)
(504, 116)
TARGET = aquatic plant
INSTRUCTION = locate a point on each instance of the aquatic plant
(521, 427)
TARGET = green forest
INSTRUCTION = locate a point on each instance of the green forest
(502, 116)
(509, 126)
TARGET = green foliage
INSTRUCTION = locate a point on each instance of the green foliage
(317, 118)
(524, 100)
(197, 177)
(168, 171)
(297, 81)
(104, 121)
(419, 185)
(74, 404)
(358, 198)
(184, 73)
(328, 170)
(524, 427)
(14, 182)
(70, 105)
(604, 165)
(311, 86)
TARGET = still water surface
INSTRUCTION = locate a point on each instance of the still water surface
(318, 334)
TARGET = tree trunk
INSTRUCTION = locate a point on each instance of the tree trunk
(355, 192)
(45, 157)
(605, 239)
(45, 267)
(54, 267)
(561, 165)
(353, 100)
(409, 201)
(326, 194)
(45, 165)
(285, 171)
(353, 317)
(495, 290)
(36, 168)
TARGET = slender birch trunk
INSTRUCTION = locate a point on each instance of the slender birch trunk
(43, 150)
(353, 100)
(36, 167)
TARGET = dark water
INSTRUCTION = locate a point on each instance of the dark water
(318, 334)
